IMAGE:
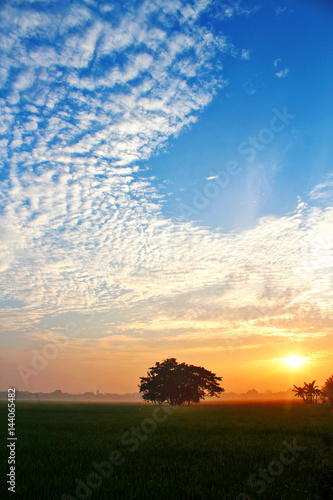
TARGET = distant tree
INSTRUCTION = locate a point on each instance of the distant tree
(300, 392)
(318, 393)
(178, 383)
(309, 392)
(327, 389)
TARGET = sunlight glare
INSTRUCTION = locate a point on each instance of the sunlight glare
(295, 361)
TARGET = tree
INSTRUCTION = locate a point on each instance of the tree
(327, 389)
(317, 393)
(300, 392)
(178, 383)
(309, 392)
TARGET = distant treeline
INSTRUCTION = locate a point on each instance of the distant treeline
(65, 396)
(58, 395)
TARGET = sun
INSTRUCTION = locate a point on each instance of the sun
(295, 361)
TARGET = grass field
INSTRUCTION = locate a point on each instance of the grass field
(200, 452)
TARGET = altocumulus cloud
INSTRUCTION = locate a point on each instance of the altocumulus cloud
(88, 90)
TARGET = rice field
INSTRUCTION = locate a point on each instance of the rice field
(130, 451)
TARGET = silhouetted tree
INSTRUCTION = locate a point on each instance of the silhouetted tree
(300, 392)
(178, 383)
(309, 392)
(327, 389)
(317, 393)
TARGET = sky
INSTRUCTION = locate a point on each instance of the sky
(166, 191)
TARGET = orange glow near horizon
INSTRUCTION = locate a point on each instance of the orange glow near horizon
(116, 371)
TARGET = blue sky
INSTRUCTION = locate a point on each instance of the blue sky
(293, 69)
(166, 188)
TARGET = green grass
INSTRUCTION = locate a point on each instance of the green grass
(200, 452)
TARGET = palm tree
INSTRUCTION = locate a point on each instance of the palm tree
(318, 393)
(300, 392)
(309, 392)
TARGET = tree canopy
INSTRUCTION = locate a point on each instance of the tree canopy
(327, 389)
(178, 383)
(309, 392)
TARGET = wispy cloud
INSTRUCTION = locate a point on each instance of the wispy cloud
(226, 9)
(245, 54)
(283, 73)
(249, 89)
(280, 10)
(323, 191)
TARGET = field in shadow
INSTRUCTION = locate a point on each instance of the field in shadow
(132, 451)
